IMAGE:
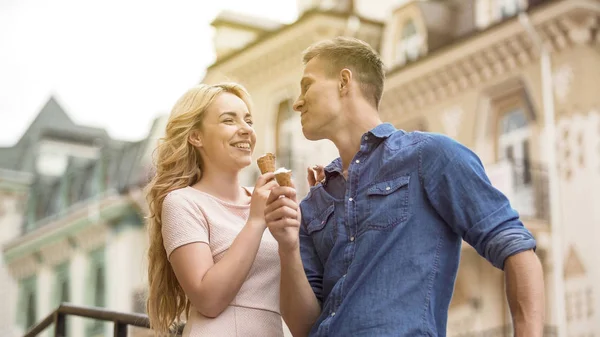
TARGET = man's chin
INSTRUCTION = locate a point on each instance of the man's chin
(311, 135)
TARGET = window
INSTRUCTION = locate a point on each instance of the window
(488, 12)
(514, 144)
(409, 45)
(62, 284)
(508, 8)
(286, 126)
(97, 287)
(26, 315)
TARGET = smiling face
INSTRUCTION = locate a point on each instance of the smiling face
(319, 102)
(226, 139)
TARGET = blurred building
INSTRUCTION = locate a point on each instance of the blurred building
(469, 69)
(71, 208)
(71, 212)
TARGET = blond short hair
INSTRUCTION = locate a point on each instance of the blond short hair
(356, 55)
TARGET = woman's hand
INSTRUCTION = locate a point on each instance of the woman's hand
(262, 189)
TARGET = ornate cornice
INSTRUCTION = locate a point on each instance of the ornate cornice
(257, 67)
(499, 50)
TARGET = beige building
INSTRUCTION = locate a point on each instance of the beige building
(470, 69)
(70, 207)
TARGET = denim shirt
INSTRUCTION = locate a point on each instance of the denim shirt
(381, 249)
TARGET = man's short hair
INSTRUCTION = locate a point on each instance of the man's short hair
(356, 55)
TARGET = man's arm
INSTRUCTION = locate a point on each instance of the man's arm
(459, 190)
(525, 293)
(299, 304)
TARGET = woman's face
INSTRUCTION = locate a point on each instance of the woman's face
(226, 137)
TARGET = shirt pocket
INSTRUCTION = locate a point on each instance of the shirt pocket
(323, 231)
(388, 203)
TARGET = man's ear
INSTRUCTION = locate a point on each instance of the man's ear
(195, 139)
(345, 79)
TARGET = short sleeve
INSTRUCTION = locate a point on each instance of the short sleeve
(182, 223)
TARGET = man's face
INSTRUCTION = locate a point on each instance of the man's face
(319, 101)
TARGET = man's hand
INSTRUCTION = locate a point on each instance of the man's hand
(315, 174)
(282, 215)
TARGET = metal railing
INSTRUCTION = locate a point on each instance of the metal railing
(121, 320)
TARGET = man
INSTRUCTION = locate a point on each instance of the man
(377, 247)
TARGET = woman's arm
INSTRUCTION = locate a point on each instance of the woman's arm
(212, 286)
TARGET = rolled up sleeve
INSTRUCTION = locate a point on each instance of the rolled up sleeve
(458, 188)
(311, 263)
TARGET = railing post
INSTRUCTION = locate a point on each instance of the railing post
(60, 326)
(120, 329)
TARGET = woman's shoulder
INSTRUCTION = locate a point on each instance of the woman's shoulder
(184, 195)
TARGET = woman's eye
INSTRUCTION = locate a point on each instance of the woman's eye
(228, 121)
(250, 123)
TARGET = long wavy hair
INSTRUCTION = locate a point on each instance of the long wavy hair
(177, 164)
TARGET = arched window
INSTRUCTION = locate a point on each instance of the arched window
(285, 134)
(409, 45)
(508, 8)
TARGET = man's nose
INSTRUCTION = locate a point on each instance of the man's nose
(298, 104)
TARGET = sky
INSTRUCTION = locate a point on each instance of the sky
(114, 64)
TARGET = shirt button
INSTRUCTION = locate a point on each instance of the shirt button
(333, 314)
(366, 137)
(387, 188)
(344, 275)
(350, 199)
(351, 238)
(357, 161)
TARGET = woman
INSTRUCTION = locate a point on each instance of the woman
(209, 254)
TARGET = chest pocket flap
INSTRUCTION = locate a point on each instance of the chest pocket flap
(388, 186)
(320, 220)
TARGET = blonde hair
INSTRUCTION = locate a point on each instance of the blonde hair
(358, 56)
(177, 165)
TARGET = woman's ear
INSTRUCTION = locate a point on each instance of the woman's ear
(195, 139)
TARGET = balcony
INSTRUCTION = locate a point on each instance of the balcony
(526, 186)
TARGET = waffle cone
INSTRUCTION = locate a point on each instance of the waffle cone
(266, 163)
(284, 178)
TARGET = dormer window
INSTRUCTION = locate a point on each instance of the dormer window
(508, 8)
(492, 11)
(409, 44)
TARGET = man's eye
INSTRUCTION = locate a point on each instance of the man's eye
(228, 121)
(250, 123)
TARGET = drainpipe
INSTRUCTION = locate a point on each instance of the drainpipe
(553, 177)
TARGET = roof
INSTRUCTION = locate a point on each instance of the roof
(51, 122)
(118, 166)
(274, 33)
(245, 21)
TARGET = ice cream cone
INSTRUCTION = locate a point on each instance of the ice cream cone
(266, 163)
(283, 177)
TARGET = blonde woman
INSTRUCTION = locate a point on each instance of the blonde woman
(210, 255)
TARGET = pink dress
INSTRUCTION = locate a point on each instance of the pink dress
(189, 215)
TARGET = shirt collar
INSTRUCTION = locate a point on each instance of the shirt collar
(381, 131)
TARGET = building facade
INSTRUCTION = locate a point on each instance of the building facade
(71, 206)
(72, 218)
(470, 69)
